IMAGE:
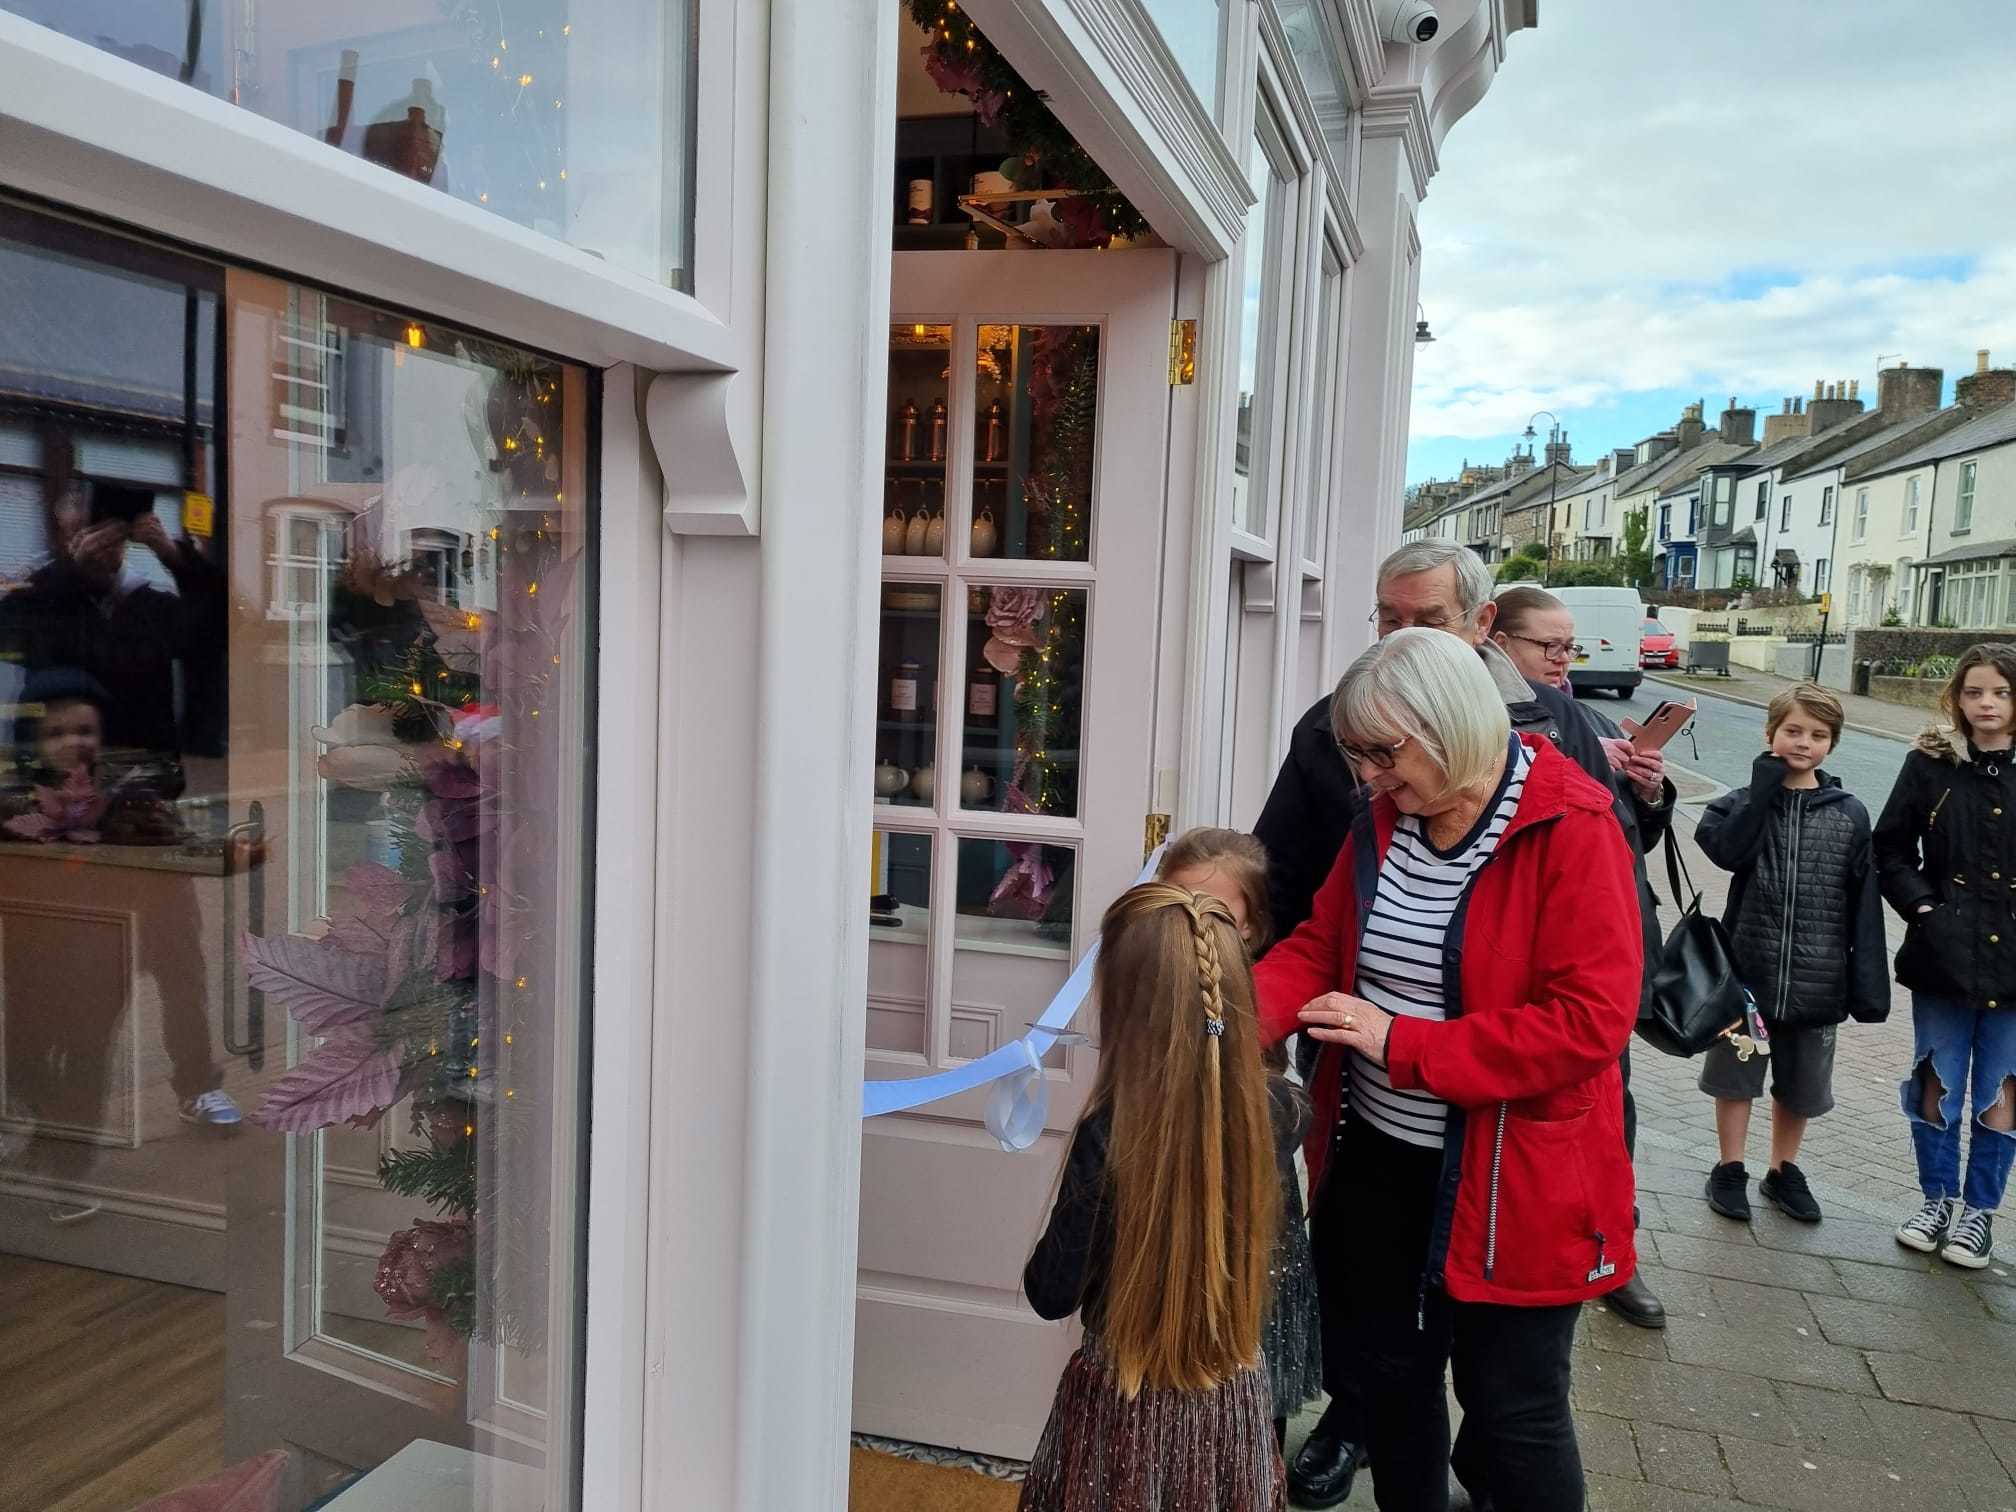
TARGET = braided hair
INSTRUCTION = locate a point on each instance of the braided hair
(1191, 1173)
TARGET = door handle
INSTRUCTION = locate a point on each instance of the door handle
(245, 854)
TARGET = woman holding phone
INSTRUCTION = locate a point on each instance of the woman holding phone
(1537, 631)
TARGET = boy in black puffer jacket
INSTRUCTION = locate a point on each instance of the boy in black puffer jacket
(1806, 919)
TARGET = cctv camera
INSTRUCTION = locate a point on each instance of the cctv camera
(1411, 23)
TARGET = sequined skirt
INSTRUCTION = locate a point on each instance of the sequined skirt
(1291, 1340)
(1164, 1451)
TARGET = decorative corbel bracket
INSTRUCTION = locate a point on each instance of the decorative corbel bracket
(708, 479)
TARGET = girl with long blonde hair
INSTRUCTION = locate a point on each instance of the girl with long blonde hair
(1163, 1231)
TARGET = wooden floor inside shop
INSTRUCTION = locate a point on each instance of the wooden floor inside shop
(111, 1388)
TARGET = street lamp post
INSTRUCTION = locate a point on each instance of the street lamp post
(1553, 488)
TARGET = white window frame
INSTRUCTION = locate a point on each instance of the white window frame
(1784, 513)
(1861, 531)
(1911, 497)
(1963, 500)
(1827, 505)
(1764, 499)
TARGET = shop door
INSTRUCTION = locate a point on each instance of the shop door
(1023, 513)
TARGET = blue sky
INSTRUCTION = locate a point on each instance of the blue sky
(1610, 239)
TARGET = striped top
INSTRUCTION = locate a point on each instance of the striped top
(1400, 957)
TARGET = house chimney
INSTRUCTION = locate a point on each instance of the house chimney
(1831, 407)
(1689, 431)
(1739, 424)
(1819, 390)
(1558, 451)
(1854, 388)
(1985, 388)
(1903, 393)
(1784, 425)
(1799, 404)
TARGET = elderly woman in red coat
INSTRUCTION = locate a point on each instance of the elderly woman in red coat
(1472, 968)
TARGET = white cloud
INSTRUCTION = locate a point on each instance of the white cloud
(1601, 218)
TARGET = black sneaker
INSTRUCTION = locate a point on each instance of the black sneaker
(1972, 1241)
(1785, 1189)
(1729, 1190)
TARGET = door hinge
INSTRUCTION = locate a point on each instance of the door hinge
(1182, 352)
(1154, 833)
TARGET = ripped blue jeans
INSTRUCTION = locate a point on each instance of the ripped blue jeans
(1966, 1049)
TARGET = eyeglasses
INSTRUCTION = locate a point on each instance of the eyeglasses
(1375, 756)
(1388, 622)
(1552, 650)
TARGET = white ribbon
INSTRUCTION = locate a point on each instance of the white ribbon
(1020, 1101)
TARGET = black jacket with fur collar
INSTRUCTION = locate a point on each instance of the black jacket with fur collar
(1947, 839)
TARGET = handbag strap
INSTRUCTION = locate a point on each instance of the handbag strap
(1676, 868)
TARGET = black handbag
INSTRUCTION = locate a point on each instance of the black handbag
(1696, 994)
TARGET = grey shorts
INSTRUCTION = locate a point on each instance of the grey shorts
(1801, 1067)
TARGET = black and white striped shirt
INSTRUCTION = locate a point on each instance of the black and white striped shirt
(1400, 957)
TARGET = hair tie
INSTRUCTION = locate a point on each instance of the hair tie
(1215, 1027)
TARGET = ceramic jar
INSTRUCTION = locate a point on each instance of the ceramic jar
(975, 787)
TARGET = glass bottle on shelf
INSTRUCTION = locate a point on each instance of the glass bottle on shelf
(903, 690)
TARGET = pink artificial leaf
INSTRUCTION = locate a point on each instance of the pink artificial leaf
(318, 982)
(360, 936)
(374, 888)
(348, 1076)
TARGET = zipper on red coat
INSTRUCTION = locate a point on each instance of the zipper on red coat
(1491, 1212)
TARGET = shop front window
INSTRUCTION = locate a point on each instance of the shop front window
(294, 901)
(570, 117)
(1263, 335)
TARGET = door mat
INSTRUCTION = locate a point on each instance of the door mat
(884, 1483)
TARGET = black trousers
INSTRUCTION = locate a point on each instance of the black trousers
(1396, 1340)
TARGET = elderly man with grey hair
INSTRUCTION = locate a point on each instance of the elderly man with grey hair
(1433, 585)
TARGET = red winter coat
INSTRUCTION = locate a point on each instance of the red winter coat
(1542, 975)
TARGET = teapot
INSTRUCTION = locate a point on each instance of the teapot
(892, 533)
(984, 537)
(923, 785)
(913, 538)
(890, 779)
(934, 536)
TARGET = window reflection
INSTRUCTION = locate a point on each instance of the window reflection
(294, 630)
(570, 117)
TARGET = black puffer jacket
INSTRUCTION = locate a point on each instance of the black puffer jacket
(1948, 838)
(1805, 914)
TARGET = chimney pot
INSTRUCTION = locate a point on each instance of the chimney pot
(1854, 388)
(1981, 360)
(1819, 388)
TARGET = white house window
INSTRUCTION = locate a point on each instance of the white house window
(1861, 513)
(307, 545)
(1785, 513)
(1963, 507)
(1827, 506)
(1823, 576)
(1854, 595)
(1763, 497)
(1665, 522)
(1910, 506)
(570, 117)
(1263, 328)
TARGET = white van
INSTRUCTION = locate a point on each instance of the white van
(1609, 623)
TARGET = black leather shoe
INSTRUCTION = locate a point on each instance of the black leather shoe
(1634, 1303)
(1323, 1472)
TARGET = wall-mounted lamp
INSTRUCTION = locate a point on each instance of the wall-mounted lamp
(1422, 335)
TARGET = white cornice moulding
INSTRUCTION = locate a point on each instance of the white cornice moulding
(1403, 112)
(707, 488)
(1114, 85)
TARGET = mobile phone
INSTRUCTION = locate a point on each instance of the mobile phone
(118, 501)
(1661, 725)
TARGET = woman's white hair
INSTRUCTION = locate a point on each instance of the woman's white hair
(1430, 687)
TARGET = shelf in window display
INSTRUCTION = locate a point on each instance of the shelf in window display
(982, 934)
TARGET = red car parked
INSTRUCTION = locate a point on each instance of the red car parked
(1656, 647)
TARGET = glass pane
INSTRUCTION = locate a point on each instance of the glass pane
(1035, 421)
(913, 493)
(1015, 898)
(1024, 687)
(1327, 379)
(293, 889)
(1191, 28)
(1249, 480)
(571, 117)
(906, 681)
(899, 938)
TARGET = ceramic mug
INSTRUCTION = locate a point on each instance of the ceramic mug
(934, 536)
(913, 539)
(892, 533)
(984, 538)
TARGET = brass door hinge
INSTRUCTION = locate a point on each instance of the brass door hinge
(1153, 834)
(1182, 352)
